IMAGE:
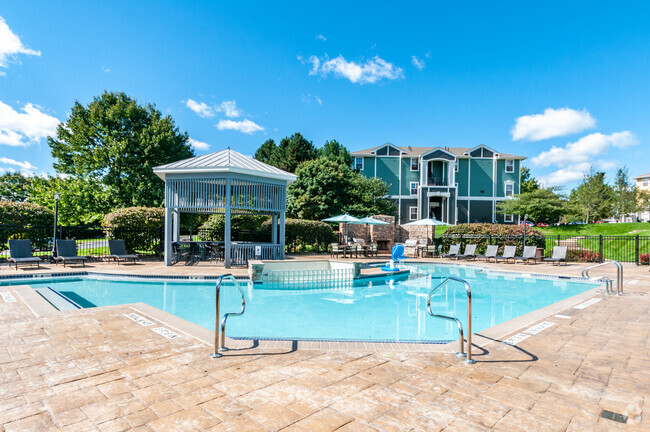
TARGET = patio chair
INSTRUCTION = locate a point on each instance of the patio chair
(20, 252)
(559, 255)
(508, 254)
(117, 252)
(373, 249)
(453, 251)
(359, 240)
(470, 252)
(335, 250)
(490, 253)
(529, 254)
(216, 251)
(66, 251)
(430, 250)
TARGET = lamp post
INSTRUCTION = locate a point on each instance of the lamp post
(525, 226)
(56, 222)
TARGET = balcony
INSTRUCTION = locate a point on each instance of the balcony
(437, 181)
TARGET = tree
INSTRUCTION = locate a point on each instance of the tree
(624, 194)
(119, 141)
(13, 187)
(291, 152)
(336, 151)
(83, 200)
(326, 187)
(592, 199)
(528, 183)
(265, 152)
(541, 205)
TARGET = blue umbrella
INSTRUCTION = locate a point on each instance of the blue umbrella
(343, 218)
(428, 222)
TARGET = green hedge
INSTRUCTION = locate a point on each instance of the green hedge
(213, 228)
(139, 227)
(484, 234)
(36, 223)
(301, 235)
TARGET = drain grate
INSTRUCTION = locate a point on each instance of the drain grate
(613, 416)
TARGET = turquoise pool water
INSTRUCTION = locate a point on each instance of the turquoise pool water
(372, 310)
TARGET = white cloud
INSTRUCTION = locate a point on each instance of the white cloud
(418, 63)
(563, 176)
(308, 98)
(320, 37)
(22, 128)
(11, 46)
(584, 149)
(243, 126)
(553, 123)
(24, 165)
(201, 108)
(199, 145)
(370, 72)
(229, 108)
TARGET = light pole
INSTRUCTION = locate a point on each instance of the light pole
(525, 226)
(56, 222)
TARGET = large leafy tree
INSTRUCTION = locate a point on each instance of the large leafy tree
(541, 205)
(326, 187)
(624, 194)
(14, 186)
(290, 153)
(119, 141)
(528, 182)
(265, 152)
(592, 199)
(336, 151)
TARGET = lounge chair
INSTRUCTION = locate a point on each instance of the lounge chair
(66, 251)
(559, 255)
(529, 254)
(508, 254)
(20, 252)
(470, 252)
(490, 253)
(453, 251)
(117, 251)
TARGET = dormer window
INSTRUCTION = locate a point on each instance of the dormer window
(510, 166)
(415, 164)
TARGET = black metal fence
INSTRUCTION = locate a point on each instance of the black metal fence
(630, 248)
(91, 240)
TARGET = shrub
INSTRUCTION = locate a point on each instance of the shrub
(644, 259)
(33, 221)
(301, 233)
(483, 234)
(582, 255)
(240, 225)
(139, 227)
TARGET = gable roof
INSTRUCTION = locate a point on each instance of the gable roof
(419, 151)
(224, 161)
(642, 176)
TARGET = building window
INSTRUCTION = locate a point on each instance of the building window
(358, 164)
(510, 166)
(508, 218)
(456, 166)
(414, 188)
(510, 189)
(413, 213)
(646, 182)
(415, 164)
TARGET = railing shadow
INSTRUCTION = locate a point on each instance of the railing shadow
(256, 344)
(484, 352)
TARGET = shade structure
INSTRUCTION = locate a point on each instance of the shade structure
(343, 218)
(428, 222)
(371, 221)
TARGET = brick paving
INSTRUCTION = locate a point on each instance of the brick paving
(95, 369)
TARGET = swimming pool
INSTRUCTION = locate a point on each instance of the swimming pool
(364, 310)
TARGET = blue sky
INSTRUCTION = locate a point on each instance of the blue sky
(565, 84)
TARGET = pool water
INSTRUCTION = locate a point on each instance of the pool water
(366, 310)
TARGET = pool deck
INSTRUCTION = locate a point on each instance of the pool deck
(97, 369)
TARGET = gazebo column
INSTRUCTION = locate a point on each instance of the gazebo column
(226, 231)
(282, 220)
(177, 225)
(168, 236)
(274, 233)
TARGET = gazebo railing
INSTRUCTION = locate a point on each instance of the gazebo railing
(241, 253)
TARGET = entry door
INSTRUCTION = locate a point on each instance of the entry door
(437, 208)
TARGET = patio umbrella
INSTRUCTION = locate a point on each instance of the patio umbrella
(370, 221)
(428, 222)
(343, 218)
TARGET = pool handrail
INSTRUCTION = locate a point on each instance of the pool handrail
(468, 290)
(619, 276)
(220, 331)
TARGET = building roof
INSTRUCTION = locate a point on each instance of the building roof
(642, 176)
(224, 161)
(419, 151)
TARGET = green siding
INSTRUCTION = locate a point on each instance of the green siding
(461, 176)
(388, 170)
(408, 176)
(368, 167)
(481, 177)
(503, 177)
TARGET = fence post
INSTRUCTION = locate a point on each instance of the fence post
(636, 247)
(600, 248)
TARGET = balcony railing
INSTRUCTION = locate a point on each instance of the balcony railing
(437, 181)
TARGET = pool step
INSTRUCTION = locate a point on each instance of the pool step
(56, 299)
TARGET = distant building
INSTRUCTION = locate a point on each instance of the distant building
(643, 184)
(452, 184)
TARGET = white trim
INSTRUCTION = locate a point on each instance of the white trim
(438, 194)
(411, 218)
(494, 152)
(399, 181)
(513, 165)
(411, 164)
(505, 188)
(362, 163)
(438, 149)
(404, 197)
(417, 187)
(375, 157)
(505, 218)
(480, 198)
(376, 149)
(494, 186)
(469, 186)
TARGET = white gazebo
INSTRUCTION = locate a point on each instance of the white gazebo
(226, 182)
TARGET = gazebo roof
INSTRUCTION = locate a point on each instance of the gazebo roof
(224, 161)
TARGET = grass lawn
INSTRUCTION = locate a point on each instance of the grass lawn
(605, 229)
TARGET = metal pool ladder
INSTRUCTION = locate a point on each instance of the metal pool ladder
(220, 331)
(608, 281)
(468, 289)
